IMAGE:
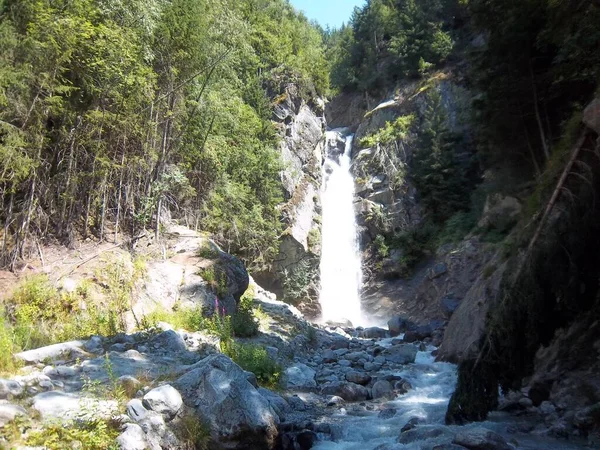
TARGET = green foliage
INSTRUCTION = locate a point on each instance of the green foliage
(314, 239)
(297, 280)
(255, 359)
(441, 178)
(192, 432)
(8, 346)
(216, 279)
(386, 40)
(94, 434)
(383, 250)
(415, 245)
(119, 108)
(244, 323)
(457, 227)
(191, 319)
(392, 131)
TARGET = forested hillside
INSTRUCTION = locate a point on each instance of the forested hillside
(113, 110)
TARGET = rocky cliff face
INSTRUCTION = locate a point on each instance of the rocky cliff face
(301, 124)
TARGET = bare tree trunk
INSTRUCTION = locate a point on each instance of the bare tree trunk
(119, 191)
(103, 211)
(7, 226)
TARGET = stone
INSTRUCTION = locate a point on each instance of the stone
(278, 403)
(235, 412)
(10, 389)
(136, 409)
(400, 354)
(306, 439)
(373, 333)
(412, 423)
(94, 344)
(345, 363)
(356, 356)
(329, 356)
(381, 388)
(438, 270)
(481, 439)
(52, 352)
(170, 342)
(133, 438)
(334, 400)
(591, 115)
(449, 304)
(129, 384)
(351, 392)
(300, 376)
(358, 378)
(398, 325)
(8, 412)
(164, 400)
(383, 196)
(546, 408)
(525, 402)
(68, 406)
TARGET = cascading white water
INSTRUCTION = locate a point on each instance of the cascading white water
(341, 274)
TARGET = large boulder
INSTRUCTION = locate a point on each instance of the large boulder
(481, 439)
(300, 376)
(400, 354)
(234, 410)
(351, 392)
(164, 400)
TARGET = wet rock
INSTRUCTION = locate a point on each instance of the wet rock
(448, 447)
(334, 400)
(423, 433)
(306, 439)
(412, 423)
(351, 392)
(481, 439)
(164, 400)
(387, 413)
(235, 412)
(398, 325)
(381, 388)
(133, 438)
(373, 333)
(358, 377)
(300, 376)
(402, 386)
(400, 354)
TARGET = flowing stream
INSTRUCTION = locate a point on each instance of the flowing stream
(341, 275)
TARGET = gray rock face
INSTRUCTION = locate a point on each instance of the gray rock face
(235, 411)
(133, 438)
(373, 333)
(481, 439)
(400, 354)
(170, 342)
(398, 325)
(164, 400)
(300, 376)
(351, 392)
(278, 403)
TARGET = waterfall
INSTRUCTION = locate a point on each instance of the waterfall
(341, 274)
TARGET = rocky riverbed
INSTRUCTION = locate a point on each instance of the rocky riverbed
(342, 388)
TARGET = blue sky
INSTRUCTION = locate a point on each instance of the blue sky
(328, 12)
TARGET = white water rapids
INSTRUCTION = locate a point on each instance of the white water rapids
(341, 275)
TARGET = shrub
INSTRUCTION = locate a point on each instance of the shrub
(8, 346)
(215, 279)
(192, 432)
(255, 359)
(457, 227)
(243, 322)
(95, 434)
(381, 247)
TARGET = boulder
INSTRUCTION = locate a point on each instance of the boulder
(278, 403)
(51, 352)
(10, 389)
(164, 400)
(67, 406)
(398, 325)
(234, 410)
(133, 438)
(358, 377)
(8, 412)
(481, 439)
(351, 392)
(329, 356)
(382, 388)
(169, 342)
(373, 333)
(300, 376)
(400, 354)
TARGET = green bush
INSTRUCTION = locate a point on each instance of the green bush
(8, 346)
(415, 245)
(96, 434)
(457, 227)
(244, 323)
(383, 250)
(255, 359)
